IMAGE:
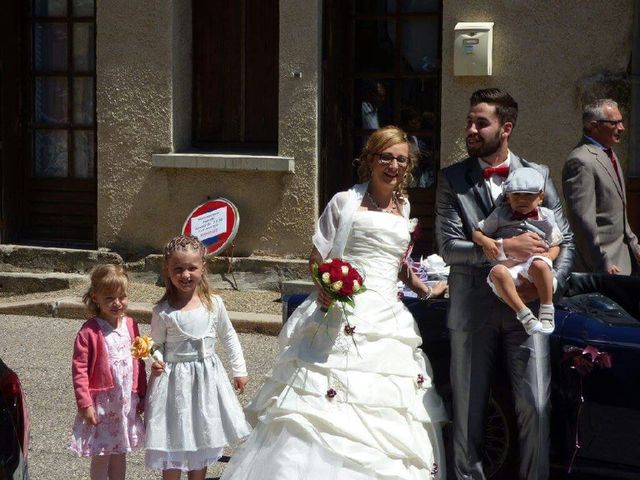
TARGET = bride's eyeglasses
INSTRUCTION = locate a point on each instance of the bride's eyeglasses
(385, 158)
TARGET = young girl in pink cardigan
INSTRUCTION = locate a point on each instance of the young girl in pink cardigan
(109, 383)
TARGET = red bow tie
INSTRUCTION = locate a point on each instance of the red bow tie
(502, 171)
(533, 214)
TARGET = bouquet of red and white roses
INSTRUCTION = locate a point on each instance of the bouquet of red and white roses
(339, 279)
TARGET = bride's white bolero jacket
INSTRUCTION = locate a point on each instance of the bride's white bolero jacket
(332, 229)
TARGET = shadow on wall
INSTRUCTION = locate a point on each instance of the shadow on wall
(166, 198)
(605, 85)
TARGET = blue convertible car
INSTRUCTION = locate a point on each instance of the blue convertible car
(595, 379)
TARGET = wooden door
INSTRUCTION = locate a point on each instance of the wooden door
(12, 117)
(48, 128)
(381, 66)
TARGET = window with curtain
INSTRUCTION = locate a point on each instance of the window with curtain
(63, 75)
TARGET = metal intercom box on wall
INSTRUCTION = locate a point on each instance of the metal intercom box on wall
(473, 48)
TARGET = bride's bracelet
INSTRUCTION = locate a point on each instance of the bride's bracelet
(426, 296)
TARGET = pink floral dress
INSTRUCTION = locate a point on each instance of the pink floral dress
(120, 427)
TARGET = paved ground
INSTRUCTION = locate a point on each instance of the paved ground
(255, 301)
(39, 350)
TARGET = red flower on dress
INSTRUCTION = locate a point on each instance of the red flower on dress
(415, 230)
(348, 329)
(417, 233)
(331, 393)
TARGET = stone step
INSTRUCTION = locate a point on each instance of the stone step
(29, 282)
(48, 259)
(288, 267)
(247, 322)
(245, 273)
(291, 287)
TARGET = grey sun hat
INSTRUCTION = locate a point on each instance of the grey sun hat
(524, 180)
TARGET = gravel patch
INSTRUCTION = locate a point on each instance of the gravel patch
(44, 368)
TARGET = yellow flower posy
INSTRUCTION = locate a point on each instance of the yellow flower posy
(143, 348)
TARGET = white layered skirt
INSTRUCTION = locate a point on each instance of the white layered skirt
(346, 407)
(191, 414)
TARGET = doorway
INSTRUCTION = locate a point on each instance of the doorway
(381, 66)
(48, 123)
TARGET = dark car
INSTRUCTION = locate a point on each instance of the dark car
(14, 427)
(595, 358)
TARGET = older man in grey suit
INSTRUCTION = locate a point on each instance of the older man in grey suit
(480, 324)
(596, 202)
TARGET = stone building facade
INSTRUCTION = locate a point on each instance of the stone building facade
(335, 62)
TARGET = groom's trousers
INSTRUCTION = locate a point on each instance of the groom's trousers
(473, 359)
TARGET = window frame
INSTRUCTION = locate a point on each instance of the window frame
(238, 110)
(70, 74)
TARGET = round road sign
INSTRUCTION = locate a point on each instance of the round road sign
(215, 223)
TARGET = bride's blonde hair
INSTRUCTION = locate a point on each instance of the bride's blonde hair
(379, 141)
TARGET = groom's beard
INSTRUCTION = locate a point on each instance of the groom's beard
(486, 147)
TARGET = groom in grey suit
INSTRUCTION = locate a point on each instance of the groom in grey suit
(594, 190)
(480, 324)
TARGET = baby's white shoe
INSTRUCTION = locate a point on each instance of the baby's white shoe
(546, 315)
(529, 321)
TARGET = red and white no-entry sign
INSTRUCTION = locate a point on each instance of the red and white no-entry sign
(215, 223)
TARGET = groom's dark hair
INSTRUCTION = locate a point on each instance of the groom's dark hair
(506, 106)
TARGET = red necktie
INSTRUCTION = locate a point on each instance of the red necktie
(614, 162)
(533, 214)
(502, 171)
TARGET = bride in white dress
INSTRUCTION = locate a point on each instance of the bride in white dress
(357, 405)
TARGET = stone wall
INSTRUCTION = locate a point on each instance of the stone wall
(549, 56)
(143, 108)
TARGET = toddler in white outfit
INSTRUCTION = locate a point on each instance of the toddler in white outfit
(521, 211)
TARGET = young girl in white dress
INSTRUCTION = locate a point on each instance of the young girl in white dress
(192, 412)
(109, 384)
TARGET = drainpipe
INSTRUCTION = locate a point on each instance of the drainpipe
(634, 150)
